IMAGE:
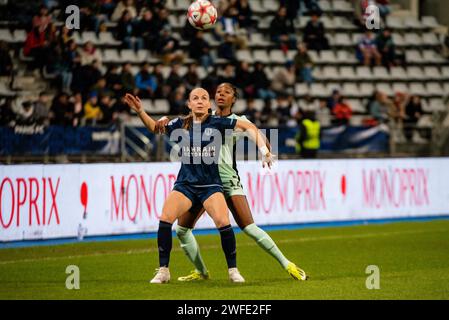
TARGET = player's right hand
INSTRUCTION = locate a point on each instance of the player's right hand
(134, 103)
(268, 160)
(161, 124)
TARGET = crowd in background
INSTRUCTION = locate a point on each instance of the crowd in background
(91, 93)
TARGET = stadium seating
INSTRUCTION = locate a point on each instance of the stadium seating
(426, 71)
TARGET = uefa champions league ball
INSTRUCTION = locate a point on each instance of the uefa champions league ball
(202, 14)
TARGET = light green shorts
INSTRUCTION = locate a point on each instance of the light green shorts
(233, 187)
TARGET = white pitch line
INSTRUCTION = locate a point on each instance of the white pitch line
(210, 247)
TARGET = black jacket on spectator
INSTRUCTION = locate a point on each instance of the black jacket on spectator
(260, 79)
(174, 80)
(281, 26)
(200, 48)
(314, 36)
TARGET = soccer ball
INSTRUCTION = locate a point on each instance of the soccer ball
(202, 14)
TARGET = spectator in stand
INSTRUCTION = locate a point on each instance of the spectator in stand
(283, 109)
(342, 112)
(210, 83)
(191, 78)
(296, 111)
(386, 47)
(101, 88)
(25, 114)
(61, 111)
(398, 115)
(78, 109)
(114, 81)
(86, 77)
(146, 28)
(384, 8)
(162, 19)
(122, 107)
(174, 79)
(201, 50)
(333, 99)
(178, 103)
(64, 36)
(380, 107)
(261, 82)
(37, 46)
(311, 6)
(127, 32)
(282, 30)
(43, 20)
(188, 32)
(367, 50)
(284, 78)
(41, 109)
(89, 19)
(245, 17)
(127, 79)
(413, 112)
(252, 113)
(146, 83)
(71, 61)
(323, 114)
(6, 65)
(92, 110)
(107, 7)
(156, 5)
(110, 114)
(162, 90)
(227, 48)
(228, 25)
(89, 54)
(244, 81)
(168, 47)
(292, 8)
(121, 7)
(303, 64)
(314, 34)
(268, 117)
(228, 74)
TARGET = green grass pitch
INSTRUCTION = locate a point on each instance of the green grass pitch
(413, 259)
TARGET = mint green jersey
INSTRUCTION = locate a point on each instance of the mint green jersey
(227, 165)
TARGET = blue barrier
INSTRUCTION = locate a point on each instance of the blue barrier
(54, 140)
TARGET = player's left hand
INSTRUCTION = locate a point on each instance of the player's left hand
(268, 160)
(161, 124)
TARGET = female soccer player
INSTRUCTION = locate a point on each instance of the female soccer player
(198, 183)
(225, 98)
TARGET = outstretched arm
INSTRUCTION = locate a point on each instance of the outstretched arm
(259, 139)
(136, 104)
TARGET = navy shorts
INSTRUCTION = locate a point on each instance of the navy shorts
(197, 194)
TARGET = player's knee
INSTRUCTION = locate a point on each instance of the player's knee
(221, 222)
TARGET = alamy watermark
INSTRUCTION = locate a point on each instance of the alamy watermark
(204, 147)
(372, 20)
(73, 20)
(373, 280)
(72, 281)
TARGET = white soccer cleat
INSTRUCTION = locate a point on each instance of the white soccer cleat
(235, 276)
(162, 275)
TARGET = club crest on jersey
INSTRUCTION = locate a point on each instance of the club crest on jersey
(208, 131)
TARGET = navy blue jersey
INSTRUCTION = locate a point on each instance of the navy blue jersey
(200, 149)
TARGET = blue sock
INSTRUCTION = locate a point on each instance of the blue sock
(228, 245)
(164, 243)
